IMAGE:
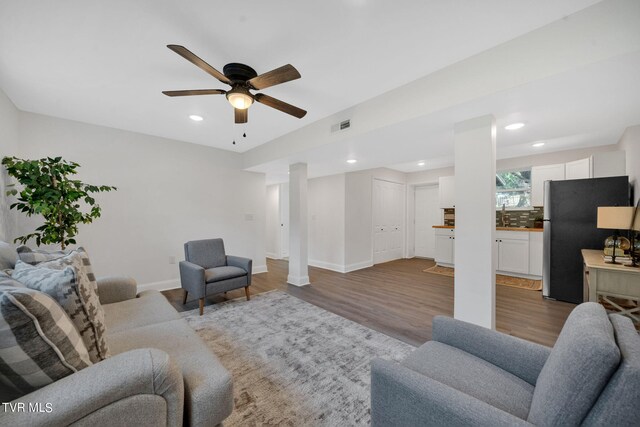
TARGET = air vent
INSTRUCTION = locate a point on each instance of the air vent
(346, 124)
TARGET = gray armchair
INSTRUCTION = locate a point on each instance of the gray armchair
(207, 270)
(472, 376)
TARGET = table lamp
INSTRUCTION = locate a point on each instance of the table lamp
(615, 218)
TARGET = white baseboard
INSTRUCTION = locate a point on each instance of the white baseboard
(257, 269)
(175, 283)
(327, 266)
(160, 286)
(298, 281)
(272, 255)
(358, 266)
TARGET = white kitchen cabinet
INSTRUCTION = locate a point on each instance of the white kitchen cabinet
(608, 163)
(447, 192)
(445, 246)
(579, 169)
(513, 251)
(540, 174)
(535, 253)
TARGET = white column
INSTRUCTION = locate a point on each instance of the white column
(475, 187)
(298, 261)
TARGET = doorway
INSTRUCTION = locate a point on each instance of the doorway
(427, 214)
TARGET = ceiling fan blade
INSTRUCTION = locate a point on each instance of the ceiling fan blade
(280, 75)
(279, 105)
(194, 92)
(194, 59)
(241, 115)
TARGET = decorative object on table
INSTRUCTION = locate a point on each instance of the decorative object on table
(208, 270)
(242, 80)
(50, 191)
(615, 218)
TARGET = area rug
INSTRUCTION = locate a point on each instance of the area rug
(501, 279)
(292, 363)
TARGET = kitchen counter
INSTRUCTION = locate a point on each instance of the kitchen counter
(535, 230)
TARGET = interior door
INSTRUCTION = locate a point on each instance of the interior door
(427, 214)
(388, 220)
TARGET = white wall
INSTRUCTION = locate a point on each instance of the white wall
(272, 219)
(552, 158)
(169, 192)
(359, 214)
(8, 147)
(431, 176)
(326, 198)
(630, 143)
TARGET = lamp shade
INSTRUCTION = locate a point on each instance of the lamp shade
(615, 217)
(636, 219)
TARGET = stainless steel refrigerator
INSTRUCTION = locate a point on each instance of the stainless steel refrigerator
(570, 218)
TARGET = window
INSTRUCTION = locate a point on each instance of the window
(513, 189)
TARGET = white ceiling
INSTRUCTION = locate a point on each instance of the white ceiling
(584, 107)
(106, 62)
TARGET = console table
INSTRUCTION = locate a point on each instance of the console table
(606, 281)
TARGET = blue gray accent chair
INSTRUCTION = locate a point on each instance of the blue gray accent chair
(472, 376)
(208, 270)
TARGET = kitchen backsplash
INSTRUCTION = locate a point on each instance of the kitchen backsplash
(514, 218)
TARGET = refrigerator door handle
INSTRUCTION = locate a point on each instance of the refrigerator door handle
(546, 258)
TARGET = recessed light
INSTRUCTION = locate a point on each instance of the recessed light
(420, 163)
(351, 161)
(514, 126)
(196, 118)
(538, 144)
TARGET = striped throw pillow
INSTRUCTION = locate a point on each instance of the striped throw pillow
(65, 281)
(38, 343)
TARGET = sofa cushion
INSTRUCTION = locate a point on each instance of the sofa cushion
(473, 376)
(148, 308)
(64, 280)
(38, 342)
(208, 385)
(34, 257)
(207, 253)
(218, 274)
(8, 256)
(579, 366)
(7, 281)
(619, 402)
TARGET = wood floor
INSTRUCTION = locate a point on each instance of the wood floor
(398, 299)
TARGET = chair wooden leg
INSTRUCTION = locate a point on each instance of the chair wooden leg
(201, 306)
(184, 300)
(246, 291)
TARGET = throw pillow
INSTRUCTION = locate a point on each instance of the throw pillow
(38, 343)
(64, 280)
(34, 257)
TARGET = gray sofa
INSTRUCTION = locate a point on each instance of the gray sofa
(468, 375)
(161, 373)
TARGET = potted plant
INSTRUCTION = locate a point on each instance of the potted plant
(49, 190)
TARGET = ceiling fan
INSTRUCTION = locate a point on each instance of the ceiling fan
(242, 80)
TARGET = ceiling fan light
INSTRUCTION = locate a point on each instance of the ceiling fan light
(239, 99)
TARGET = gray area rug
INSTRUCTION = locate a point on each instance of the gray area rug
(293, 364)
